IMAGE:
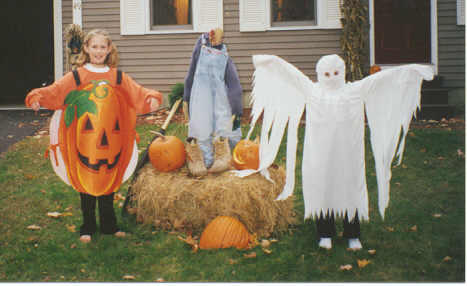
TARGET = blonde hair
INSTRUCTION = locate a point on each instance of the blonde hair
(112, 58)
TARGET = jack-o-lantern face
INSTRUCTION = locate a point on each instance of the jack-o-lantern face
(98, 136)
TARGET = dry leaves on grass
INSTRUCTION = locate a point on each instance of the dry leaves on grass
(250, 255)
(372, 251)
(389, 228)
(33, 227)
(58, 214)
(362, 263)
(190, 241)
(413, 228)
(447, 258)
(71, 228)
(346, 267)
(129, 277)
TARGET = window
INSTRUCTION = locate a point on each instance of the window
(263, 15)
(171, 14)
(293, 13)
(140, 17)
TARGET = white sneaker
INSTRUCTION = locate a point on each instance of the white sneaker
(355, 244)
(325, 242)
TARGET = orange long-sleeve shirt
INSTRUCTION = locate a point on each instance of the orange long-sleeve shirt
(53, 96)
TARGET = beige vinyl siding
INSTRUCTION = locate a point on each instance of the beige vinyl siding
(67, 19)
(451, 45)
(159, 61)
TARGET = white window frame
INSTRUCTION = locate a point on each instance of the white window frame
(256, 15)
(135, 17)
(460, 9)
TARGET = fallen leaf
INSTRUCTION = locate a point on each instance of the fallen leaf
(190, 241)
(273, 240)
(160, 280)
(447, 258)
(437, 215)
(232, 261)
(118, 197)
(413, 228)
(69, 208)
(345, 267)
(82, 270)
(29, 176)
(397, 184)
(129, 277)
(441, 158)
(71, 228)
(43, 191)
(54, 214)
(67, 214)
(372, 251)
(362, 263)
(73, 246)
(33, 227)
(267, 251)
(390, 229)
(265, 243)
(250, 255)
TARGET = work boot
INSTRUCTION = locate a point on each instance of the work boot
(195, 160)
(222, 156)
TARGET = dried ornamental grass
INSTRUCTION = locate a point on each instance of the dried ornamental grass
(175, 200)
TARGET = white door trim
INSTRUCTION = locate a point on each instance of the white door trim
(434, 34)
(58, 39)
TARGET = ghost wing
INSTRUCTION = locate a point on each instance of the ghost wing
(279, 92)
(391, 99)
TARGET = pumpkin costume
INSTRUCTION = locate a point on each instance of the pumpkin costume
(92, 133)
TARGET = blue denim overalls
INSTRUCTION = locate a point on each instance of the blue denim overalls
(210, 111)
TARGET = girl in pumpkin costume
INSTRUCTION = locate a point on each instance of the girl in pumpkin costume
(92, 133)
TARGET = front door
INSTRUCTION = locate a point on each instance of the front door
(402, 31)
(27, 50)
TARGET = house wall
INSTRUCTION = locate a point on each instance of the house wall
(67, 19)
(451, 43)
(161, 60)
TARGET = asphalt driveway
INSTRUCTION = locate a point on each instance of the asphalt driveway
(17, 124)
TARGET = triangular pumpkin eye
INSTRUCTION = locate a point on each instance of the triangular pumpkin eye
(117, 126)
(88, 126)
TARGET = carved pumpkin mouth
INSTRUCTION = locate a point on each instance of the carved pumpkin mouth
(97, 166)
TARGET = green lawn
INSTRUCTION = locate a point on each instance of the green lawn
(422, 238)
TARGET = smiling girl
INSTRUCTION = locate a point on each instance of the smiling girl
(73, 100)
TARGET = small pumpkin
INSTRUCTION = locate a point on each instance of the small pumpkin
(246, 155)
(374, 69)
(167, 153)
(225, 232)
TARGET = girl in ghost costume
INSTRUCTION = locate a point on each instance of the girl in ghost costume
(333, 165)
(214, 94)
(113, 94)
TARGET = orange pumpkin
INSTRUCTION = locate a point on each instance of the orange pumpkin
(167, 153)
(374, 69)
(246, 155)
(97, 137)
(225, 232)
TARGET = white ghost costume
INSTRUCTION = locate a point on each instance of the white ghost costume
(333, 165)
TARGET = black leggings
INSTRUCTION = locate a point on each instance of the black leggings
(107, 219)
(326, 226)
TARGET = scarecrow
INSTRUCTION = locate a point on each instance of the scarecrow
(213, 94)
(333, 166)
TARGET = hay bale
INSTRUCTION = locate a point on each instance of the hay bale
(175, 200)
